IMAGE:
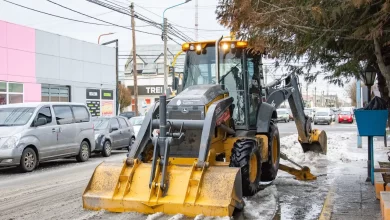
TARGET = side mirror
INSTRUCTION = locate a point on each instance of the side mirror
(114, 129)
(40, 122)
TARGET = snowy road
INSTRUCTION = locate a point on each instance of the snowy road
(54, 190)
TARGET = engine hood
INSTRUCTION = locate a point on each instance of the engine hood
(8, 131)
(197, 95)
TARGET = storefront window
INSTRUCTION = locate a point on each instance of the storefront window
(3, 87)
(3, 99)
(55, 93)
(15, 98)
(10, 93)
(15, 87)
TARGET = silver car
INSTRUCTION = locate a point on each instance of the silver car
(112, 133)
(323, 117)
(34, 132)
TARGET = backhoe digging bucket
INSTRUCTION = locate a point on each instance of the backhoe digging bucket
(318, 142)
(118, 187)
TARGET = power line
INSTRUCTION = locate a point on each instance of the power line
(100, 19)
(42, 12)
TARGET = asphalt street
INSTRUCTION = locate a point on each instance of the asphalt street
(54, 190)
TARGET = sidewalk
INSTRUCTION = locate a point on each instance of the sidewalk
(354, 199)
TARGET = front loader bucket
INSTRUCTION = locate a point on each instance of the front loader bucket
(318, 142)
(118, 187)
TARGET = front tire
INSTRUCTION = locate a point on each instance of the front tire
(107, 148)
(246, 155)
(28, 161)
(271, 167)
(84, 152)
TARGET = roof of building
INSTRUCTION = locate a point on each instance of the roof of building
(152, 54)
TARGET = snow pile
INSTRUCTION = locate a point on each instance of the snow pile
(155, 216)
(262, 205)
(341, 148)
(202, 217)
(177, 217)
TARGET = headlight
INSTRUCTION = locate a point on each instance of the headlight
(11, 142)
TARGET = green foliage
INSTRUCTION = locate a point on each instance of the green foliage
(335, 34)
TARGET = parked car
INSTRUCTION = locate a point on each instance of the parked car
(31, 133)
(346, 116)
(323, 117)
(136, 122)
(112, 133)
(127, 115)
(290, 115)
(309, 112)
(283, 115)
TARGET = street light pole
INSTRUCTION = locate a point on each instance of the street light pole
(103, 35)
(165, 39)
(116, 74)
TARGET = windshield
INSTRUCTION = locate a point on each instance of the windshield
(136, 121)
(307, 111)
(322, 114)
(15, 116)
(345, 113)
(100, 124)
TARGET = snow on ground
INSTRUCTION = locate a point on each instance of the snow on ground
(342, 148)
(262, 205)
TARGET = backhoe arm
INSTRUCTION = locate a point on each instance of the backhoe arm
(311, 140)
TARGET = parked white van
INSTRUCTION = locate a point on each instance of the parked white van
(34, 132)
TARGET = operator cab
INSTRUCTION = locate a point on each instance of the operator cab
(239, 72)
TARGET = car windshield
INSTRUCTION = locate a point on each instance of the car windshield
(100, 124)
(136, 121)
(322, 114)
(345, 113)
(15, 116)
(307, 111)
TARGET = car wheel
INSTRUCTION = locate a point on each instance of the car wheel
(107, 148)
(28, 161)
(315, 123)
(84, 152)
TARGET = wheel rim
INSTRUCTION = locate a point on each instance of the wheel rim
(253, 168)
(108, 148)
(274, 150)
(85, 151)
(29, 160)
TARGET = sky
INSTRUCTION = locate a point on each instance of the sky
(181, 17)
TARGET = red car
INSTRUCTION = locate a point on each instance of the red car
(345, 117)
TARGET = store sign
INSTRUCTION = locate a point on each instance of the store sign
(107, 108)
(93, 94)
(94, 107)
(148, 90)
(107, 94)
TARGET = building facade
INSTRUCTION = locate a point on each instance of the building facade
(150, 70)
(41, 66)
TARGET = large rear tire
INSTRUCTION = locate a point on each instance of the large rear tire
(246, 155)
(270, 168)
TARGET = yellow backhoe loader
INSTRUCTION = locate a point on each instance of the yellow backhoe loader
(217, 139)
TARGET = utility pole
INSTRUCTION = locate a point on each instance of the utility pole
(165, 57)
(358, 105)
(196, 20)
(134, 61)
